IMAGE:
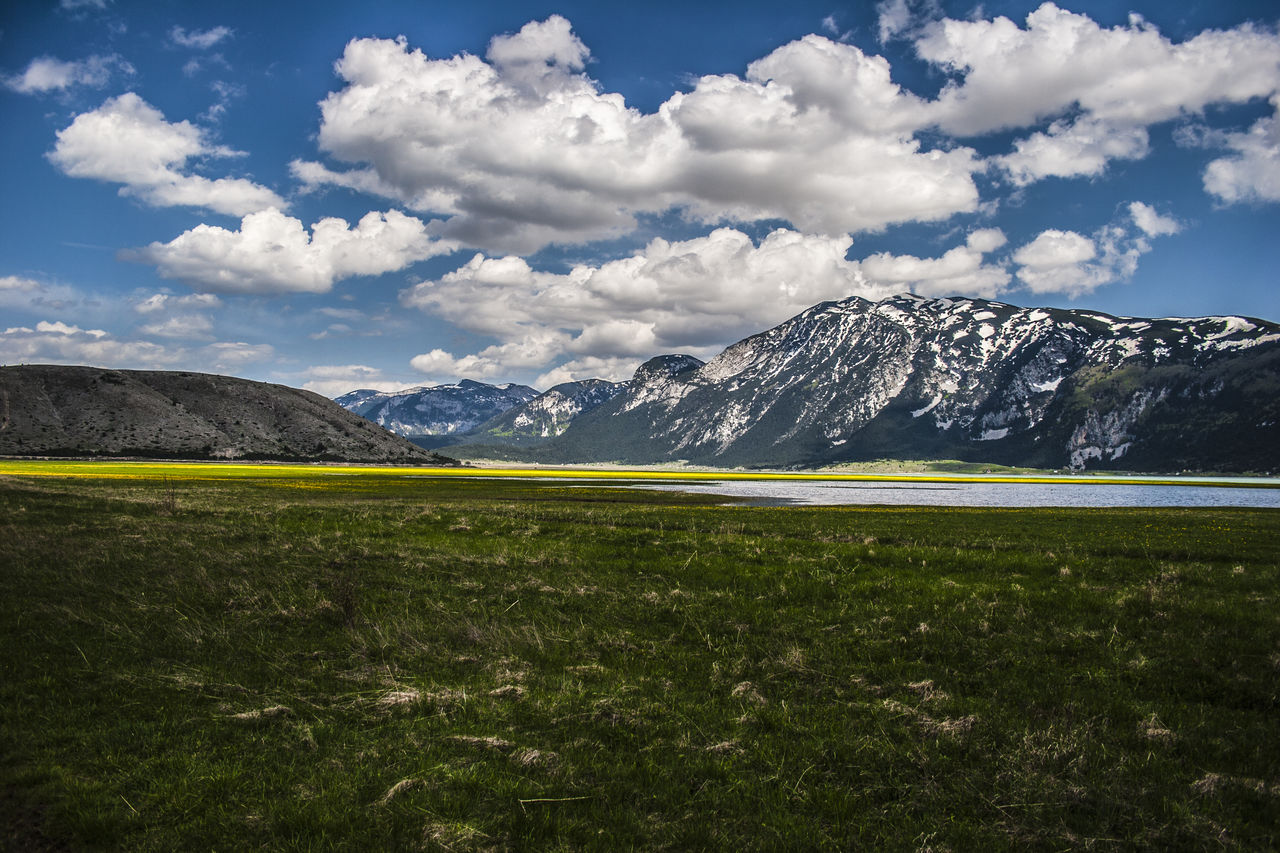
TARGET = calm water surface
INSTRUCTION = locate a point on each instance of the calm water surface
(781, 493)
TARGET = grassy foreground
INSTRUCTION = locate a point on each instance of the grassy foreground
(380, 661)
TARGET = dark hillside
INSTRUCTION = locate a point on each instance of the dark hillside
(49, 410)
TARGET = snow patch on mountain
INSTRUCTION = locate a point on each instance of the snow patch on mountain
(937, 398)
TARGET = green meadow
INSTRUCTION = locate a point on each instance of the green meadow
(269, 657)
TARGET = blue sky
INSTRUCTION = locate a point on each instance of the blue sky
(336, 195)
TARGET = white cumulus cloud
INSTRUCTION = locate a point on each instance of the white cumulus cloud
(1252, 172)
(614, 369)
(721, 284)
(1126, 75)
(31, 294)
(959, 271)
(128, 141)
(334, 380)
(1151, 222)
(55, 342)
(57, 327)
(19, 284)
(233, 355)
(534, 350)
(1063, 262)
(1103, 86)
(1072, 264)
(273, 253)
(1072, 148)
(901, 18)
(522, 149)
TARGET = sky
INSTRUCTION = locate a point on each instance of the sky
(384, 195)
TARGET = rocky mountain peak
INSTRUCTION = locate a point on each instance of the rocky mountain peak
(663, 366)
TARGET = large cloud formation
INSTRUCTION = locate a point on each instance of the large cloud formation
(1103, 87)
(522, 149)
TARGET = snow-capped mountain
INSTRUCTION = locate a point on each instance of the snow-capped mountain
(437, 409)
(547, 415)
(915, 378)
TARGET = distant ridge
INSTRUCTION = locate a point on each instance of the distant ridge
(436, 410)
(53, 410)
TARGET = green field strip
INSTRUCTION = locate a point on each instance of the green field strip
(223, 470)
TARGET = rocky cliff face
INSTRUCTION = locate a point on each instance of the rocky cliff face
(958, 378)
(50, 410)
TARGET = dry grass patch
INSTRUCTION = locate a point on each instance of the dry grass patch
(270, 713)
(402, 787)
(489, 742)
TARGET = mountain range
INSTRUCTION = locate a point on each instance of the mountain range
(915, 378)
(547, 415)
(430, 415)
(53, 410)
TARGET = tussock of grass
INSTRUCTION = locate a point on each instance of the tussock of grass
(401, 787)
(296, 659)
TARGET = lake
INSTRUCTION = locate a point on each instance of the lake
(907, 492)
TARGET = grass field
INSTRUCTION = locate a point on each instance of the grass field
(218, 471)
(195, 657)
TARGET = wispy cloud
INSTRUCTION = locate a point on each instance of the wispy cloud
(199, 39)
(29, 294)
(49, 74)
(333, 380)
(57, 342)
